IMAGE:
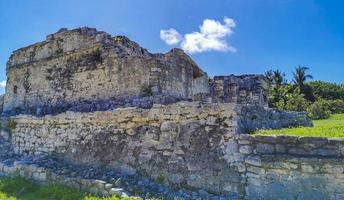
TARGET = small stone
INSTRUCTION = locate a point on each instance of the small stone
(265, 148)
(169, 127)
(116, 191)
(176, 178)
(307, 168)
(108, 186)
(245, 149)
(253, 160)
(280, 148)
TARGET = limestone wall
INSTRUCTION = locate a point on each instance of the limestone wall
(245, 89)
(178, 143)
(287, 167)
(84, 66)
(186, 145)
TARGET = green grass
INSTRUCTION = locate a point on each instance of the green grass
(21, 189)
(331, 128)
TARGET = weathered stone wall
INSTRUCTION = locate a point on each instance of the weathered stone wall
(87, 70)
(83, 65)
(288, 167)
(187, 144)
(2, 98)
(245, 89)
(177, 143)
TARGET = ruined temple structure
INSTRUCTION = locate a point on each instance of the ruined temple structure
(87, 70)
(101, 114)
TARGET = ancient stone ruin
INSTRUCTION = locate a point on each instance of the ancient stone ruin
(87, 70)
(102, 114)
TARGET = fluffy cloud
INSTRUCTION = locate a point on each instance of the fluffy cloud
(211, 36)
(3, 84)
(170, 36)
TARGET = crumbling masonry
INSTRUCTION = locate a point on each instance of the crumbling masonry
(86, 109)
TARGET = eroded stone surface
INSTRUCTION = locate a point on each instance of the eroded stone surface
(87, 70)
(185, 145)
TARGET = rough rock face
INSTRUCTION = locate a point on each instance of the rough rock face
(85, 65)
(245, 89)
(2, 98)
(288, 167)
(88, 70)
(185, 145)
(194, 145)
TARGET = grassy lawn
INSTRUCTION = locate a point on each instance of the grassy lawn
(21, 189)
(332, 128)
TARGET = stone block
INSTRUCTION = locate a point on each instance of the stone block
(169, 126)
(256, 170)
(176, 178)
(280, 148)
(265, 148)
(253, 160)
(245, 149)
(116, 191)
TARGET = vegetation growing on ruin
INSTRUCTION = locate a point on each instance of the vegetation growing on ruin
(117, 40)
(332, 128)
(12, 124)
(147, 91)
(21, 189)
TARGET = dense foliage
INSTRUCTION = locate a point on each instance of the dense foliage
(318, 98)
(328, 91)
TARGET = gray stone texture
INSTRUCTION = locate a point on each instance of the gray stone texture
(88, 70)
(202, 145)
(88, 65)
(185, 145)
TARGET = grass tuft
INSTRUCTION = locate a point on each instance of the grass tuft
(21, 189)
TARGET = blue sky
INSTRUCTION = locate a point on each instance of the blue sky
(268, 34)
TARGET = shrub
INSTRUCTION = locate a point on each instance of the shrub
(326, 90)
(147, 91)
(160, 179)
(117, 39)
(12, 124)
(335, 106)
(319, 110)
(294, 102)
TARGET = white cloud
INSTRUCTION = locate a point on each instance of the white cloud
(170, 36)
(211, 37)
(3, 84)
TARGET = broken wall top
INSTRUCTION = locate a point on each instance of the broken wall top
(69, 41)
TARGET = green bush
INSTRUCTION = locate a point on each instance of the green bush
(117, 40)
(319, 110)
(335, 106)
(147, 91)
(294, 102)
(326, 90)
(12, 124)
(160, 179)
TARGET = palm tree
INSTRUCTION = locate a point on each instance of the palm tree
(275, 77)
(300, 77)
(278, 77)
(269, 76)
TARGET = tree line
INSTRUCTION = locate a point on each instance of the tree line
(319, 99)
